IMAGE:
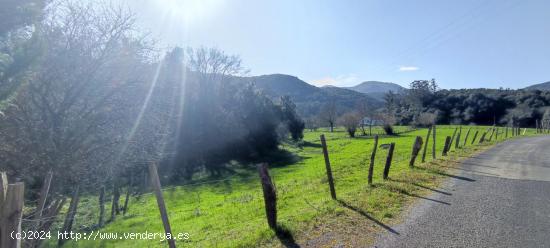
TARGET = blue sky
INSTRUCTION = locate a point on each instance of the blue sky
(462, 44)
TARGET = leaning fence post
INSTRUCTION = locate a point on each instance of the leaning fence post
(11, 207)
(417, 145)
(42, 200)
(482, 139)
(388, 161)
(372, 158)
(329, 170)
(270, 196)
(492, 133)
(466, 138)
(453, 138)
(155, 181)
(475, 136)
(446, 146)
(426, 144)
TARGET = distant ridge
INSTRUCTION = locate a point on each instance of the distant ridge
(308, 98)
(377, 89)
(542, 86)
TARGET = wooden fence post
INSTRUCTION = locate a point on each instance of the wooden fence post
(415, 150)
(426, 145)
(69, 217)
(446, 146)
(466, 138)
(270, 196)
(457, 142)
(155, 181)
(492, 133)
(42, 200)
(453, 138)
(101, 221)
(372, 158)
(506, 132)
(128, 191)
(475, 136)
(496, 133)
(482, 139)
(327, 165)
(433, 145)
(536, 126)
(388, 161)
(11, 211)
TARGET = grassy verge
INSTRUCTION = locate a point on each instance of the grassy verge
(229, 212)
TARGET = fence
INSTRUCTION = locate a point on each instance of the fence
(255, 207)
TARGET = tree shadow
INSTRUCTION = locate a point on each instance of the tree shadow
(366, 215)
(285, 236)
(310, 144)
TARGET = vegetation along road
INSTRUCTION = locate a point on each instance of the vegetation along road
(499, 199)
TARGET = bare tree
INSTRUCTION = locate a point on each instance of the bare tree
(328, 114)
(350, 121)
(425, 119)
(364, 111)
(70, 114)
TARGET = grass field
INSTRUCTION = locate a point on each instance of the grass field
(229, 212)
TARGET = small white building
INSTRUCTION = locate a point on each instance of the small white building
(371, 122)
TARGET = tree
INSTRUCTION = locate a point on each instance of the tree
(294, 123)
(329, 114)
(350, 121)
(363, 111)
(311, 123)
(71, 108)
(19, 44)
(425, 119)
(64, 117)
(16, 14)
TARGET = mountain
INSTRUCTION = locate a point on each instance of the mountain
(376, 89)
(308, 98)
(542, 86)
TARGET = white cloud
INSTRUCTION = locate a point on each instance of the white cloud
(408, 68)
(341, 80)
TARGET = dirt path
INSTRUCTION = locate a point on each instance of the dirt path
(500, 198)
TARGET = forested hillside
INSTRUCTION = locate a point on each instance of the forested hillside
(308, 98)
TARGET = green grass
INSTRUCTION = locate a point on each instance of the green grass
(229, 212)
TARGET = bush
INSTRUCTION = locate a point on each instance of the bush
(350, 121)
(388, 129)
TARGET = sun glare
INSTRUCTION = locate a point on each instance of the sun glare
(190, 10)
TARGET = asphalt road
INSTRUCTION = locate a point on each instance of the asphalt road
(500, 198)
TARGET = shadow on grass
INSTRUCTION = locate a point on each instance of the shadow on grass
(310, 144)
(285, 236)
(366, 215)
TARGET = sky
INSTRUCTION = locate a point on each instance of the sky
(462, 44)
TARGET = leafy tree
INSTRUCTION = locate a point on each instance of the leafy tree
(293, 122)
